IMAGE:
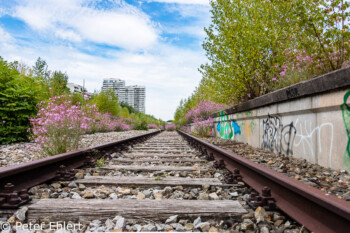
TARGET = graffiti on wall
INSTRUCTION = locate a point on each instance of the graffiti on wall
(236, 128)
(346, 118)
(227, 128)
(309, 139)
(226, 131)
(276, 137)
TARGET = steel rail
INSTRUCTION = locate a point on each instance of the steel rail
(26, 175)
(313, 208)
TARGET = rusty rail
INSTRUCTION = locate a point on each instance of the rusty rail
(309, 206)
(16, 180)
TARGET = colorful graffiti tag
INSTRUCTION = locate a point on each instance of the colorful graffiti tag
(346, 117)
(236, 128)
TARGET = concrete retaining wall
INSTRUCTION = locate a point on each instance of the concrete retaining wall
(309, 120)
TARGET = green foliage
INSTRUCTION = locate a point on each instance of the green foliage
(255, 47)
(100, 162)
(18, 98)
(141, 125)
(58, 83)
(106, 102)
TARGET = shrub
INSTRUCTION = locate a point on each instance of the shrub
(140, 125)
(59, 125)
(153, 126)
(170, 127)
(17, 103)
(203, 110)
(203, 127)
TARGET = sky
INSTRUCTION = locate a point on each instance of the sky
(154, 43)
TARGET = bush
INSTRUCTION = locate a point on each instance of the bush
(153, 126)
(170, 127)
(203, 127)
(17, 104)
(59, 125)
(140, 125)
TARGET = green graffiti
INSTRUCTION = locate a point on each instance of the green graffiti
(248, 114)
(346, 117)
(226, 130)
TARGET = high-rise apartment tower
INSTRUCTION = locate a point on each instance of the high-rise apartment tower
(132, 95)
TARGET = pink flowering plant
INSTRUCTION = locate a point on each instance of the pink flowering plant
(203, 110)
(202, 127)
(170, 127)
(153, 126)
(59, 125)
(108, 123)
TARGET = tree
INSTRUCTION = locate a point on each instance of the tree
(58, 83)
(40, 69)
(107, 102)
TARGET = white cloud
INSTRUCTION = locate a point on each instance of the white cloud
(68, 35)
(169, 74)
(122, 25)
(200, 2)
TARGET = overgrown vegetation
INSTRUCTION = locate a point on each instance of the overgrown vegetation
(255, 47)
(58, 117)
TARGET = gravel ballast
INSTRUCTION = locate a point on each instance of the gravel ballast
(16, 153)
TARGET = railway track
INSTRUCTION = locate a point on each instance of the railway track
(158, 182)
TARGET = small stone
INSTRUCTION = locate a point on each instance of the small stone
(213, 196)
(167, 190)
(88, 195)
(157, 195)
(234, 194)
(183, 174)
(179, 188)
(56, 185)
(149, 227)
(278, 223)
(171, 219)
(160, 227)
(277, 217)
(204, 226)
(147, 193)
(140, 196)
(247, 216)
(109, 224)
(72, 185)
(119, 222)
(180, 228)
(260, 214)
(113, 196)
(197, 222)
(11, 220)
(247, 225)
(21, 213)
(287, 224)
(264, 229)
(79, 175)
(205, 187)
(125, 191)
(81, 187)
(189, 226)
(137, 227)
(45, 195)
(203, 196)
(64, 194)
(213, 229)
(76, 196)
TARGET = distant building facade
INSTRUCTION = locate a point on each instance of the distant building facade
(133, 95)
(76, 88)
